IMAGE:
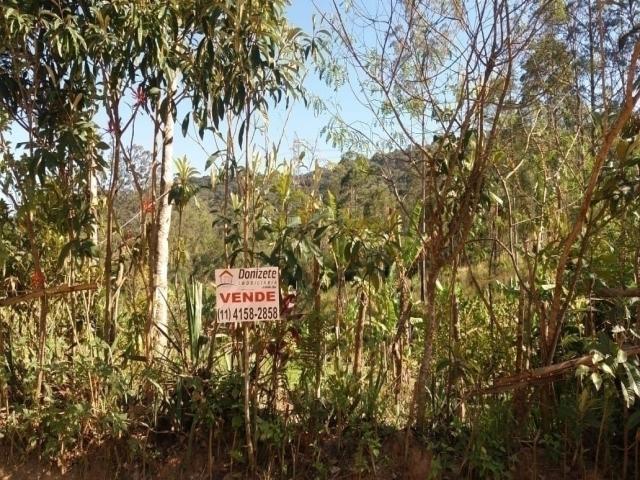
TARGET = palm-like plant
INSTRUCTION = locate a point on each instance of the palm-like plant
(184, 188)
(182, 191)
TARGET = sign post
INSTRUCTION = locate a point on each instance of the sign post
(247, 294)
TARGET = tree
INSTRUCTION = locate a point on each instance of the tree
(403, 74)
(47, 90)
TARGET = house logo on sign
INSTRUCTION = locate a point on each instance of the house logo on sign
(226, 278)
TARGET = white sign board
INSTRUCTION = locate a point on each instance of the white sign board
(247, 294)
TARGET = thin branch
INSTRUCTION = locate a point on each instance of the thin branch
(59, 290)
(546, 374)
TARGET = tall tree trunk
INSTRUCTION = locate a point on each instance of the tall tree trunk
(247, 261)
(151, 236)
(423, 229)
(339, 305)
(162, 226)
(319, 329)
(93, 199)
(109, 327)
(359, 340)
(454, 341)
(419, 405)
(592, 76)
(399, 342)
(39, 282)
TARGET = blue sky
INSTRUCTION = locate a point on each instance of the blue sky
(299, 124)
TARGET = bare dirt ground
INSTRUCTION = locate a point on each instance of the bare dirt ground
(103, 466)
(107, 462)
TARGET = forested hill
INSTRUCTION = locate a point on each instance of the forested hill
(362, 189)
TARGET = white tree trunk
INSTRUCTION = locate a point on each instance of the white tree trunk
(163, 225)
(93, 200)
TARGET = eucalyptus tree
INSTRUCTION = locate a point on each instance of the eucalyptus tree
(228, 60)
(425, 69)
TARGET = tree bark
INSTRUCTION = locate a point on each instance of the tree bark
(339, 305)
(318, 327)
(163, 225)
(109, 322)
(359, 333)
(93, 199)
(404, 315)
(419, 405)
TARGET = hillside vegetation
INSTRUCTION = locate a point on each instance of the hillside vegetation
(464, 302)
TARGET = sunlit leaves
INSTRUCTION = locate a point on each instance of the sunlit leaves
(48, 85)
(184, 188)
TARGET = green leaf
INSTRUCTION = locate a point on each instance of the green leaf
(212, 158)
(496, 199)
(213, 177)
(294, 221)
(185, 125)
(634, 420)
(607, 369)
(621, 356)
(596, 357)
(628, 399)
(582, 371)
(64, 253)
(632, 382)
(597, 380)
(241, 134)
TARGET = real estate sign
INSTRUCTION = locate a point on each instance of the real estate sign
(247, 294)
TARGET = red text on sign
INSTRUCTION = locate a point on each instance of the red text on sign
(241, 297)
